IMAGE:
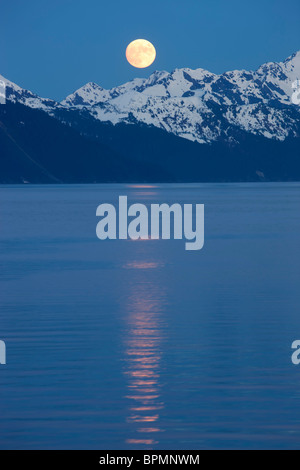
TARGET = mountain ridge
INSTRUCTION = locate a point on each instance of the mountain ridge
(76, 148)
(197, 105)
(184, 126)
(184, 101)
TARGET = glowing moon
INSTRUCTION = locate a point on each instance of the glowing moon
(140, 53)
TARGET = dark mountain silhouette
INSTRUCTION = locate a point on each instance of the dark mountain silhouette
(74, 147)
(37, 148)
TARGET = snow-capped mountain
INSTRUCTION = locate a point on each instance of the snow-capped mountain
(200, 105)
(15, 94)
(194, 104)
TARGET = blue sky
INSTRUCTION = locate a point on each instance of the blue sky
(54, 47)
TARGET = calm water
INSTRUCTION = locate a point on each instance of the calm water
(143, 345)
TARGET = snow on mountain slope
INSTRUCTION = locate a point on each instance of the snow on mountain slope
(292, 66)
(91, 94)
(88, 95)
(194, 104)
(15, 94)
(200, 105)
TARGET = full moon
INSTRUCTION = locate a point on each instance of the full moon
(140, 53)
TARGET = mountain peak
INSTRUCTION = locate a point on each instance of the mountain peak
(292, 66)
(88, 95)
(195, 104)
(293, 58)
(93, 85)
